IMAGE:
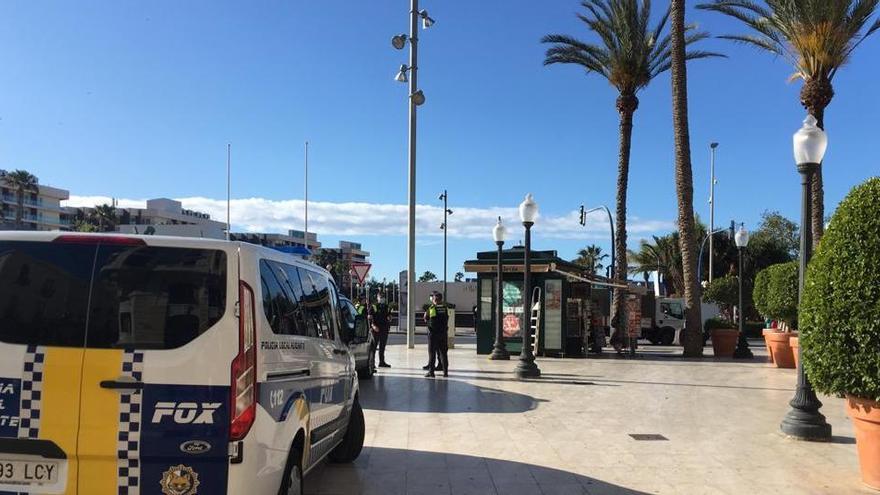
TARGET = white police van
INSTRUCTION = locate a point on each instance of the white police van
(163, 365)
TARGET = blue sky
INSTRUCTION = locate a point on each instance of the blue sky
(138, 99)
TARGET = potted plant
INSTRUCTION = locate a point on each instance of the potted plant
(782, 305)
(840, 320)
(723, 291)
(759, 297)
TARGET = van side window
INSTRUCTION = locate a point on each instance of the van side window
(317, 304)
(282, 298)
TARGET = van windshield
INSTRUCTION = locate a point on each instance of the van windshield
(108, 296)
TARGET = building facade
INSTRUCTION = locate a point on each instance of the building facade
(41, 210)
(162, 216)
(293, 238)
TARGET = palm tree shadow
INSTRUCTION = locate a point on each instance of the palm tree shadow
(381, 470)
(417, 394)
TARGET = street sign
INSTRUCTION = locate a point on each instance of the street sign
(360, 270)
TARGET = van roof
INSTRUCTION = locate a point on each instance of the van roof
(151, 240)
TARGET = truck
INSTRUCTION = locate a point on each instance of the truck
(663, 318)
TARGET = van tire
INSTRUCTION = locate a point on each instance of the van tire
(366, 373)
(350, 448)
(292, 482)
(667, 335)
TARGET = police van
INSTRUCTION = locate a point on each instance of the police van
(163, 365)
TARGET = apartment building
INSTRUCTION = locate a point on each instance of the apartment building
(293, 238)
(42, 209)
(163, 216)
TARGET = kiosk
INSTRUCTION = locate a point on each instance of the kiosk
(573, 302)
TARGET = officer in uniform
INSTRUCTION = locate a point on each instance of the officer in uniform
(437, 317)
(380, 326)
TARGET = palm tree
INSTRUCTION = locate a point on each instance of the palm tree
(22, 182)
(817, 37)
(684, 181)
(630, 55)
(591, 258)
(106, 216)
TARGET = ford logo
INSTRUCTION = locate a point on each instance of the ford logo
(195, 447)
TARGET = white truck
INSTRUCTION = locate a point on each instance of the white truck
(663, 318)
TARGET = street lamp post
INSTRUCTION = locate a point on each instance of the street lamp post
(528, 212)
(804, 421)
(712, 182)
(499, 351)
(409, 73)
(445, 227)
(742, 346)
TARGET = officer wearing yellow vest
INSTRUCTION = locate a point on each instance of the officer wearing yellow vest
(437, 318)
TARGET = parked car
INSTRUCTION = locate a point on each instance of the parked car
(360, 340)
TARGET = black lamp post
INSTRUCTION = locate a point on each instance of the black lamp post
(499, 351)
(528, 211)
(804, 421)
(445, 227)
(742, 346)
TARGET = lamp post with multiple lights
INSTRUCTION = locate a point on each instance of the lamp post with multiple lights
(528, 212)
(499, 350)
(742, 345)
(804, 421)
(445, 227)
(409, 73)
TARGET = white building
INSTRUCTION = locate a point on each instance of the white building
(42, 210)
(293, 238)
(163, 216)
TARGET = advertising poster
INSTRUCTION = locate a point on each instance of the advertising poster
(512, 309)
(553, 314)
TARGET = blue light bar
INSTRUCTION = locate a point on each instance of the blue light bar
(294, 250)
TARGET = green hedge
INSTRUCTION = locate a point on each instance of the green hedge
(840, 324)
(715, 323)
(781, 301)
(724, 292)
(760, 292)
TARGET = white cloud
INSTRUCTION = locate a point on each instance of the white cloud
(360, 219)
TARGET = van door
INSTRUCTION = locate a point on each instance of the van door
(333, 359)
(155, 389)
(44, 290)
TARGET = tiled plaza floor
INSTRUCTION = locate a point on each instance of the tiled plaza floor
(481, 431)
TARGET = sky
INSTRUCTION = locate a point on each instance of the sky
(136, 100)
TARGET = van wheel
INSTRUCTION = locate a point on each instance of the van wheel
(366, 373)
(292, 483)
(667, 336)
(353, 441)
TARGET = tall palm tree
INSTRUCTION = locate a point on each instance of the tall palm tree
(22, 182)
(591, 258)
(106, 216)
(684, 181)
(630, 54)
(817, 37)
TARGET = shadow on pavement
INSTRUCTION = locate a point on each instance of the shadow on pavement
(389, 471)
(419, 394)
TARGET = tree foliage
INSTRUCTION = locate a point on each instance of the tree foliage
(724, 292)
(840, 322)
(591, 257)
(782, 292)
(428, 276)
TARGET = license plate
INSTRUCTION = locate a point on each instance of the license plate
(25, 473)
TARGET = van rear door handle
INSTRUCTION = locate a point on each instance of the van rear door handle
(122, 383)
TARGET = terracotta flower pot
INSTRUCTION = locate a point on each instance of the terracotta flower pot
(781, 349)
(724, 341)
(865, 416)
(795, 344)
(765, 332)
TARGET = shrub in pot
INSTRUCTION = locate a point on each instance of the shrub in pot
(759, 297)
(723, 291)
(782, 304)
(840, 318)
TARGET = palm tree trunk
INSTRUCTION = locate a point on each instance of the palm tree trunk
(19, 211)
(816, 94)
(626, 107)
(684, 184)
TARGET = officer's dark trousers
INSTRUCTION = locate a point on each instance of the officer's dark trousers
(438, 346)
(380, 340)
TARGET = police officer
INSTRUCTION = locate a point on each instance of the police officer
(380, 326)
(437, 317)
